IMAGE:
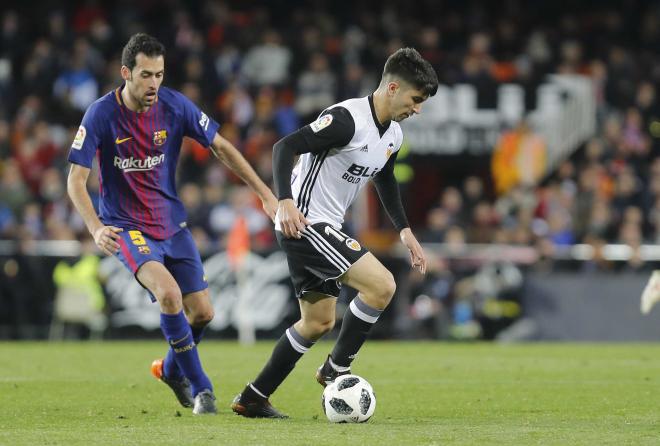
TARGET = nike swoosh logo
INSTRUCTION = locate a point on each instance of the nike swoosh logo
(179, 341)
(119, 141)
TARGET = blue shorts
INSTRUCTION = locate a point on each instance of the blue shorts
(178, 254)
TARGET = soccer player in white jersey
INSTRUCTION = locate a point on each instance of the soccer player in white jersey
(349, 144)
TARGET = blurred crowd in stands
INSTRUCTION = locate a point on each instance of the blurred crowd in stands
(262, 69)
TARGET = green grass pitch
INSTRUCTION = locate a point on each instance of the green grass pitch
(428, 394)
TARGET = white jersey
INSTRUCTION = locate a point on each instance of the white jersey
(325, 184)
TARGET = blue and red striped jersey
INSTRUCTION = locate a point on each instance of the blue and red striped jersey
(137, 155)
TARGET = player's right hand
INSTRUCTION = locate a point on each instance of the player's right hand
(292, 221)
(270, 205)
(107, 239)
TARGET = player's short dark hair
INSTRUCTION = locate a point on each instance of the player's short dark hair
(141, 43)
(409, 65)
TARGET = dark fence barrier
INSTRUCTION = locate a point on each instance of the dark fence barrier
(596, 306)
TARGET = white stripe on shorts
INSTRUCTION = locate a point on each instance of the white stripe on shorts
(320, 250)
(328, 248)
(339, 263)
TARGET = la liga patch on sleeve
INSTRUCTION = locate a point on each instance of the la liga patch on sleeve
(80, 138)
(321, 123)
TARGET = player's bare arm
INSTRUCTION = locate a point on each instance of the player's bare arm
(417, 257)
(105, 237)
(232, 158)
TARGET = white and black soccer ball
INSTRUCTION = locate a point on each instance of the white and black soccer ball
(350, 399)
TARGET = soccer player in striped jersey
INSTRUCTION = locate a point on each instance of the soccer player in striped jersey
(136, 132)
(350, 144)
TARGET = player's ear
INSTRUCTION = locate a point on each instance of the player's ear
(392, 87)
(125, 73)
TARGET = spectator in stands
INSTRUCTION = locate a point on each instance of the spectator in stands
(437, 223)
(316, 88)
(14, 194)
(268, 62)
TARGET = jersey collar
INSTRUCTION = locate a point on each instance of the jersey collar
(120, 100)
(381, 128)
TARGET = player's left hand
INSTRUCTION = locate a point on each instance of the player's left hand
(270, 204)
(417, 257)
(107, 239)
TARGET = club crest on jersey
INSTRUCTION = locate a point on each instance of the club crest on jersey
(353, 244)
(159, 137)
(80, 138)
(321, 123)
(144, 250)
(390, 149)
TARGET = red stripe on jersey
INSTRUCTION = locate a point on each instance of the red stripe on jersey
(155, 180)
(135, 200)
(121, 199)
(153, 176)
(144, 121)
(137, 177)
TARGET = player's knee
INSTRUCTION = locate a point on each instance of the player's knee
(383, 290)
(203, 318)
(170, 299)
(326, 326)
(317, 328)
(380, 293)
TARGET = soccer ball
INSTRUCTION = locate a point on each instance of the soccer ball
(350, 399)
